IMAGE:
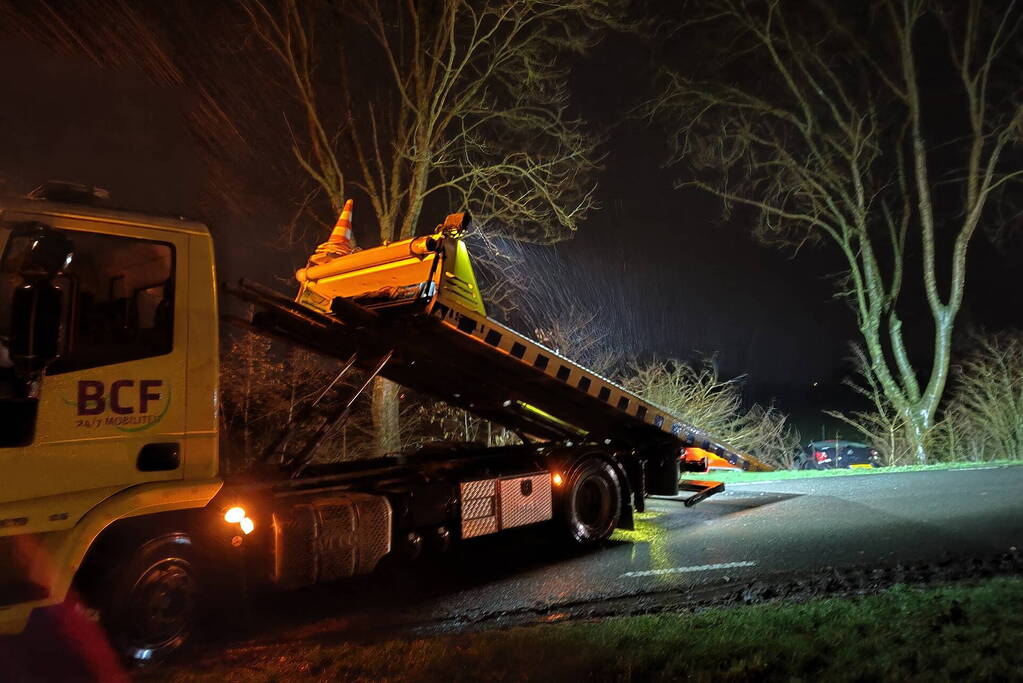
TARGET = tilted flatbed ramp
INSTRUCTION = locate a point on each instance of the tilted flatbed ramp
(444, 345)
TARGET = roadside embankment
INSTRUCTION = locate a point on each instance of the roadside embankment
(962, 631)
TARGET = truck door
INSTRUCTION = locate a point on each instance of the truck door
(111, 412)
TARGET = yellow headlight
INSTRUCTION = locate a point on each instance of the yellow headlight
(247, 525)
(557, 479)
(234, 515)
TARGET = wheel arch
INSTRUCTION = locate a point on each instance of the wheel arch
(127, 535)
(127, 512)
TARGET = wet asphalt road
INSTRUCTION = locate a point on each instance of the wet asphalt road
(758, 534)
(792, 528)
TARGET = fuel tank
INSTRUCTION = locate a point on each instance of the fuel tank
(329, 537)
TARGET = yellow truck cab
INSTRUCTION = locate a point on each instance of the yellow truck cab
(109, 412)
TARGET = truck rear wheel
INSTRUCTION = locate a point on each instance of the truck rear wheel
(591, 503)
(151, 603)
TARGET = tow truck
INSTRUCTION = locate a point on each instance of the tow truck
(112, 487)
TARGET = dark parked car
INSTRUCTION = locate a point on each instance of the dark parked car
(837, 454)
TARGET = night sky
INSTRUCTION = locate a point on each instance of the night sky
(660, 263)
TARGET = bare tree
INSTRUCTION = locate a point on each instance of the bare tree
(982, 415)
(432, 422)
(265, 386)
(823, 119)
(701, 397)
(248, 376)
(579, 334)
(987, 395)
(465, 98)
(405, 101)
(550, 297)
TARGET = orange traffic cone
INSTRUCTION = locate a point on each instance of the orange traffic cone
(340, 242)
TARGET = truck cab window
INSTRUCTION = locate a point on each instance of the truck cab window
(121, 293)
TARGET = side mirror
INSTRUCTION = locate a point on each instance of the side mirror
(30, 321)
(36, 313)
(31, 300)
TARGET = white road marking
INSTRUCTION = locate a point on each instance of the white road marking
(688, 570)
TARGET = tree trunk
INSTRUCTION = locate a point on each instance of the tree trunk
(919, 423)
(385, 416)
(247, 393)
(921, 415)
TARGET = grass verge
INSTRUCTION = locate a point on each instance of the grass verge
(777, 475)
(947, 633)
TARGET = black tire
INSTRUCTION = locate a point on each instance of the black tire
(591, 503)
(151, 602)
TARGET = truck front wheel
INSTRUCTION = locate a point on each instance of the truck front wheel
(591, 503)
(152, 600)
